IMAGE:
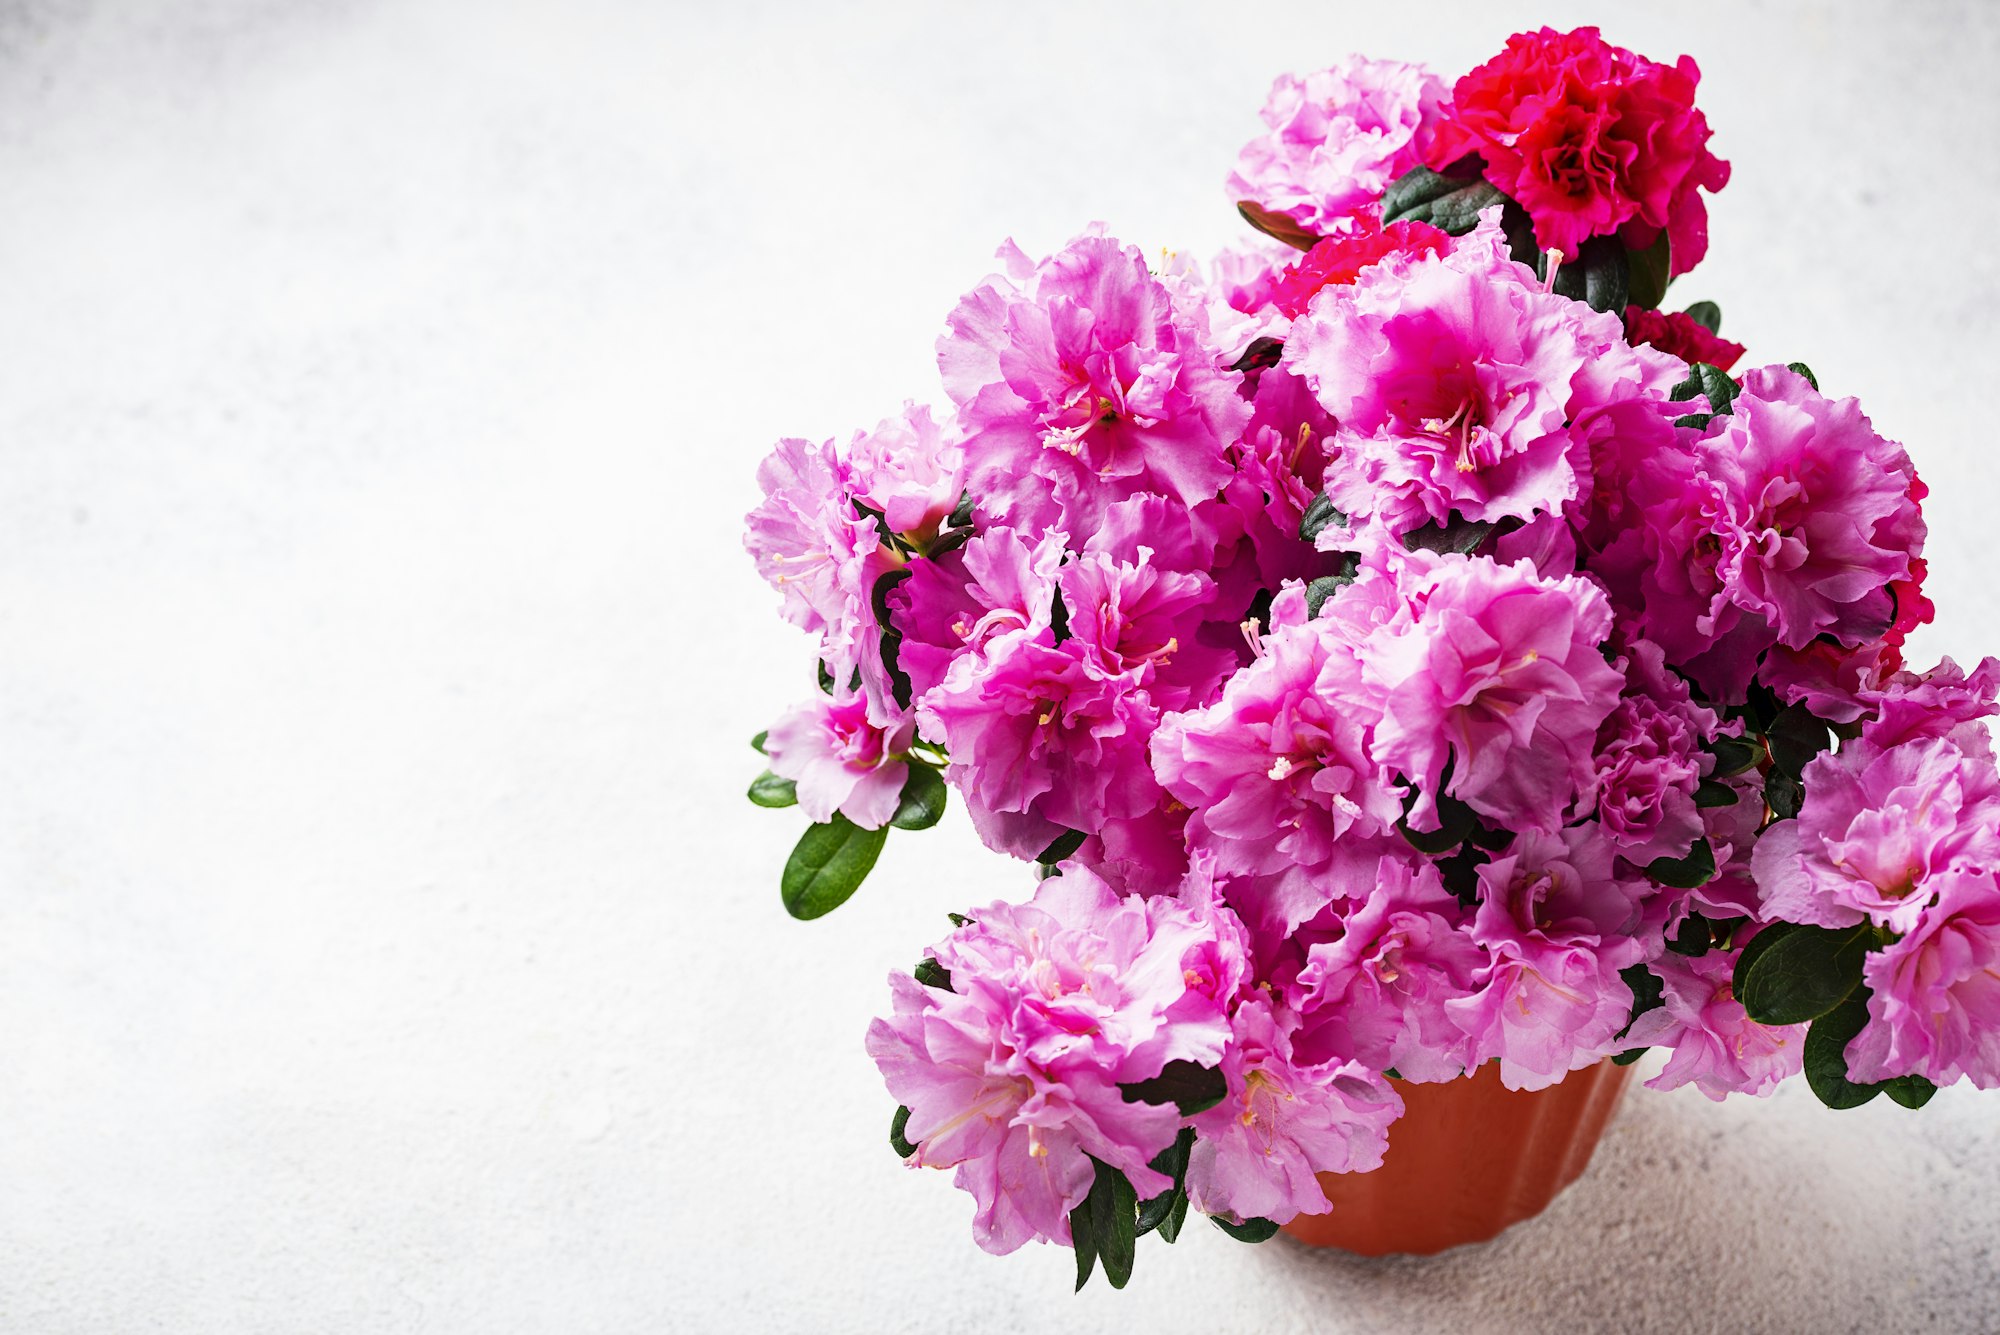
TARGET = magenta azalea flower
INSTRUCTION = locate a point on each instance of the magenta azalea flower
(813, 547)
(1715, 1045)
(1077, 386)
(1462, 387)
(1000, 582)
(1558, 927)
(1258, 1152)
(1338, 138)
(908, 468)
(840, 761)
(1650, 761)
(1496, 672)
(1878, 828)
(1013, 1074)
(1376, 994)
(1938, 703)
(1934, 1004)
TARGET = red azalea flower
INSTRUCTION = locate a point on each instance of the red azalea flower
(1679, 334)
(1590, 139)
(1339, 260)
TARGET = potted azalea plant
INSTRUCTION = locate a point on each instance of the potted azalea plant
(1423, 672)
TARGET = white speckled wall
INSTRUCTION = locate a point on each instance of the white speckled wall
(384, 942)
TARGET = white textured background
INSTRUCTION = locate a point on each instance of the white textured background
(385, 944)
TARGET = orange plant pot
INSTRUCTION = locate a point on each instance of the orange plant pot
(1467, 1159)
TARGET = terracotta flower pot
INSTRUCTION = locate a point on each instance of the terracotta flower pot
(1467, 1159)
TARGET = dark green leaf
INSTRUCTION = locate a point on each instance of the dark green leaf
(1263, 353)
(1188, 1086)
(1630, 1055)
(1708, 382)
(1170, 1228)
(961, 514)
(825, 678)
(932, 974)
(1826, 1054)
(1800, 368)
(1114, 1212)
(1083, 1237)
(1698, 421)
(1158, 1211)
(1460, 535)
(1598, 275)
(1783, 793)
(958, 919)
(1319, 513)
(1061, 847)
(1460, 873)
(1692, 937)
(897, 1140)
(1651, 270)
(1450, 203)
(826, 866)
(1250, 1230)
(1647, 993)
(1706, 314)
(757, 742)
(1747, 958)
(892, 639)
(1455, 821)
(1713, 794)
(1058, 617)
(768, 790)
(1322, 589)
(1733, 755)
(1912, 1091)
(950, 540)
(1277, 226)
(1804, 974)
(1796, 736)
(923, 800)
(1685, 873)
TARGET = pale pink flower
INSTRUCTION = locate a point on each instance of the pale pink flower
(1715, 1045)
(840, 761)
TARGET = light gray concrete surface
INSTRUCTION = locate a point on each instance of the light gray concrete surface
(384, 942)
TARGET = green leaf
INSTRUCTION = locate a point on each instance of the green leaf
(1733, 755)
(897, 1140)
(1647, 994)
(1460, 535)
(1707, 382)
(1747, 958)
(1277, 226)
(1187, 1085)
(1685, 873)
(1455, 822)
(958, 919)
(1319, 514)
(1912, 1091)
(1083, 1236)
(1114, 1211)
(892, 639)
(1598, 275)
(1692, 937)
(1449, 203)
(1630, 1055)
(1061, 847)
(923, 800)
(932, 974)
(1783, 793)
(825, 677)
(1800, 368)
(1804, 974)
(1158, 1212)
(1713, 794)
(1796, 737)
(961, 514)
(828, 863)
(1322, 589)
(1706, 314)
(768, 790)
(1176, 1217)
(1250, 1230)
(1826, 1054)
(1651, 273)
(757, 742)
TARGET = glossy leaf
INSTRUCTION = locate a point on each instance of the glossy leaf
(1450, 203)
(768, 790)
(1826, 1055)
(1319, 513)
(1191, 1087)
(1706, 314)
(1250, 1230)
(932, 974)
(827, 865)
(897, 1140)
(1804, 974)
(1685, 873)
(1652, 270)
(923, 801)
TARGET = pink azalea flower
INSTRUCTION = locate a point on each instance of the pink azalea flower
(908, 468)
(1136, 622)
(1338, 138)
(1077, 385)
(1498, 673)
(1910, 705)
(1877, 830)
(1376, 993)
(1794, 523)
(1001, 581)
(1558, 927)
(1013, 1075)
(1459, 386)
(1257, 1153)
(1716, 1046)
(840, 761)
(1591, 139)
(1650, 761)
(1934, 1004)
(1032, 732)
(814, 548)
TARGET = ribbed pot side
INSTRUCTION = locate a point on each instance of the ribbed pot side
(1467, 1159)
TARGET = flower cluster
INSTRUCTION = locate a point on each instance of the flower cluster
(1396, 655)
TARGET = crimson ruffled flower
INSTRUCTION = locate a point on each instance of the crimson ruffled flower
(1591, 139)
(1679, 333)
(1339, 259)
